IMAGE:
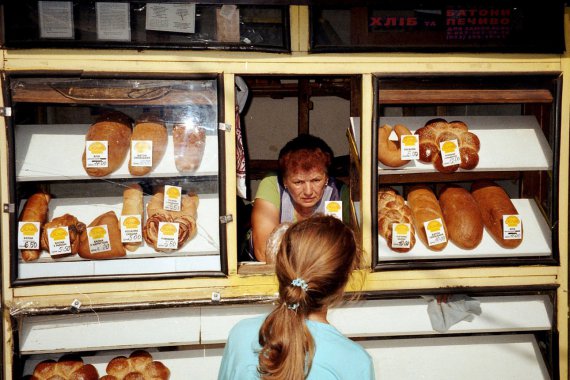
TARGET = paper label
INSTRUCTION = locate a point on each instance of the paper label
(113, 21)
(29, 235)
(512, 227)
(401, 235)
(98, 237)
(56, 19)
(167, 235)
(172, 198)
(334, 208)
(141, 153)
(96, 154)
(449, 152)
(179, 18)
(58, 241)
(410, 147)
(435, 232)
(131, 229)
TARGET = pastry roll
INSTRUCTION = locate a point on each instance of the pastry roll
(35, 210)
(74, 227)
(116, 248)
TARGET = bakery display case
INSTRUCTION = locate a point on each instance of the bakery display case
(150, 24)
(467, 167)
(114, 178)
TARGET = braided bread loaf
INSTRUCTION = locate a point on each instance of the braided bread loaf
(390, 152)
(392, 209)
(425, 208)
(436, 131)
(138, 366)
(66, 368)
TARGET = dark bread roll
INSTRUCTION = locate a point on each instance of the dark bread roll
(462, 217)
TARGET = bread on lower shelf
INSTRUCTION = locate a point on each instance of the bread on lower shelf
(66, 368)
(139, 365)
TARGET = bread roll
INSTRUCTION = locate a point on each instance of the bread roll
(115, 128)
(66, 368)
(35, 210)
(390, 152)
(462, 217)
(138, 366)
(493, 203)
(149, 128)
(74, 227)
(392, 209)
(116, 246)
(425, 207)
(189, 145)
(133, 205)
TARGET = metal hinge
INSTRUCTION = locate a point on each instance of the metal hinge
(225, 219)
(224, 127)
(6, 111)
(9, 208)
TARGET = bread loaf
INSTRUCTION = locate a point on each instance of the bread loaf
(149, 128)
(35, 210)
(133, 205)
(425, 208)
(392, 209)
(462, 217)
(493, 203)
(116, 248)
(436, 131)
(66, 368)
(115, 128)
(189, 146)
(138, 366)
(74, 227)
(390, 152)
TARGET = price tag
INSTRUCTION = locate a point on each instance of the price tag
(435, 232)
(512, 227)
(98, 237)
(334, 208)
(172, 198)
(58, 241)
(96, 154)
(410, 147)
(167, 235)
(401, 235)
(141, 153)
(131, 231)
(29, 235)
(450, 153)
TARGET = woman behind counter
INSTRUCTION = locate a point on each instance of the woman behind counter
(297, 192)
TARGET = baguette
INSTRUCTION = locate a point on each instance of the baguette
(133, 205)
(115, 128)
(35, 210)
(116, 246)
(494, 202)
(149, 128)
(390, 152)
(425, 207)
(462, 217)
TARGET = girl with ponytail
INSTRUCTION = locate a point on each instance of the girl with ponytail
(295, 341)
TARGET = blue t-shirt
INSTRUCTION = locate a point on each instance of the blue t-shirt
(336, 356)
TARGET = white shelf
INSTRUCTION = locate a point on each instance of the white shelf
(507, 143)
(536, 241)
(52, 152)
(202, 253)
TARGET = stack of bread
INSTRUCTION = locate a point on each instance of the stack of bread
(66, 368)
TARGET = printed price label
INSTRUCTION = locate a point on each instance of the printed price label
(58, 241)
(172, 197)
(435, 232)
(96, 154)
(450, 153)
(131, 230)
(512, 227)
(410, 147)
(98, 237)
(29, 235)
(141, 153)
(167, 235)
(401, 235)
(334, 208)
